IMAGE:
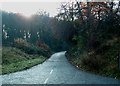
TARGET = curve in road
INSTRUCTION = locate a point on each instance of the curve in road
(55, 70)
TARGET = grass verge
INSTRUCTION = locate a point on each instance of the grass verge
(22, 65)
(14, 60)
(94, 65)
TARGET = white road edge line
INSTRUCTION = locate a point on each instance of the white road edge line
(51, 71)
(46, 81)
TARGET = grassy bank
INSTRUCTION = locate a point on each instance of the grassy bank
(103, 63)
(14, 59)
(18, 66)
(109, 70)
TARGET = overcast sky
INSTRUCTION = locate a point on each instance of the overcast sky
(29, 8)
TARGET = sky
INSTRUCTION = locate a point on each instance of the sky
(29, 8)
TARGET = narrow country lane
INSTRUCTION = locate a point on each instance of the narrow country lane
(56, 70)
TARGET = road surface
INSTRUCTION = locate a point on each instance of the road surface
(56, 70)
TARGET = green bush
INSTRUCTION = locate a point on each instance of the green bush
(81, 42)
(93, 62)
(31, 49)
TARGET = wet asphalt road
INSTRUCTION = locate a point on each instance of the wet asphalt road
(56, 70)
